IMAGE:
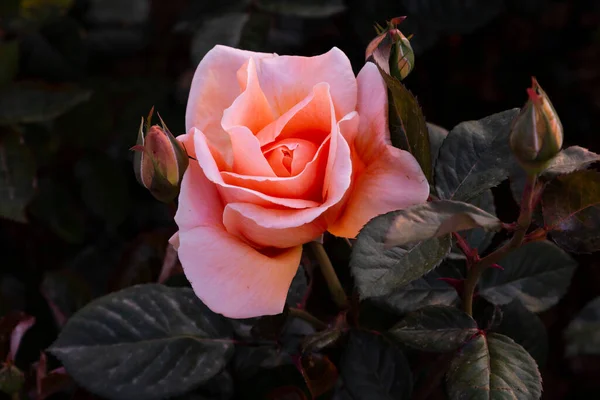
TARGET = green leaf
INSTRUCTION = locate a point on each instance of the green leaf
(379, 270)
(104, 188)
(582, 336)
(478, 238)
(224, 29)
(9, 61)
(525, 328)
(17, 177)
(571, 209)
(435, 328)
(302, 8)
(569, 160)
(425, 291)
(474, 157)
(375, 369)
(27, 103)
(152, 342)
(493, 366)
(56, 208)
(437, 218)
(65, 293)
(407, 124)
(437, 135)
(538, 274)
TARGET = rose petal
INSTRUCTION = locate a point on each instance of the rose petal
(287, 80)
(234, 194)
(231, 277)
(263, 225)
(214, 88)
(254, 223)
(387, 178)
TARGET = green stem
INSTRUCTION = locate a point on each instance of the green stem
(335, 287)
(522, 225)
(308, 317)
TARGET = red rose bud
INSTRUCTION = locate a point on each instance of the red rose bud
(392, 51)
(160, 161)
(537, 134)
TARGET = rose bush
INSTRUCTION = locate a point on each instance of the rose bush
(283, 148)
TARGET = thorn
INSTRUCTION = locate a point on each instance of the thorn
(497, 266)
(137, 147)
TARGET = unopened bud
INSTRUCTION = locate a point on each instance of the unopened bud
(537, 135)
(392, 51)
(160, 161)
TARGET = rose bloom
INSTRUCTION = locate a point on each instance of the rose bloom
(283, 148)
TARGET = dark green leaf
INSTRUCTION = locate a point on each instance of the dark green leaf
(437, 134)
(321, 340)
(9, 61)
(17, 177)
(525, 328)
(255, 32)
(33, 103)
(583, 333)
(569, 160)
(225, 29)
(379, 270)
(493, 366)
(56, 207)
(474, 157)
(479, 238)
(375, 369)
(250, 360)
(104, 188)
(151, 341)
(425, 291)
(65, 293)
(571, 208)
(538, 274)
(437, 218)
(407, 124)
(302, 8)
(435, 328)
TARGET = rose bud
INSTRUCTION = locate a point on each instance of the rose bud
(391, 50)
(160, 161)
(537, 133)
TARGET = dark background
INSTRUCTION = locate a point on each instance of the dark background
(78, 225)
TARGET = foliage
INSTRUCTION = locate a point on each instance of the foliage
(441, 296)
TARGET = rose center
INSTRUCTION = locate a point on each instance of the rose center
(289, 156)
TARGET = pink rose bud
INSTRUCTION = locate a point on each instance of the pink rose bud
(160, 161)
(537, 134)
(392, 51)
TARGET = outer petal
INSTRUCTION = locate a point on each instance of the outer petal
(286, 80)
(214, 88)
(227, 274)
(387, 178)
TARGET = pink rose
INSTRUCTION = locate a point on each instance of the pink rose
(287, 148)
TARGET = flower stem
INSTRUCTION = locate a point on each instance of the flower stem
(517, 240)
(308, 317)
(335, 287)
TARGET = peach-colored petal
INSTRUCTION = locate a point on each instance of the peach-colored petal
(214, 88)
(287, 80)
(248, 158)
(309, 119)
(231, 193)
(231, 277)
(227, 274)
(199, 201)
(254, 223)
(394, 181)
(306, 185)
(290, 156)
(387, 178)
